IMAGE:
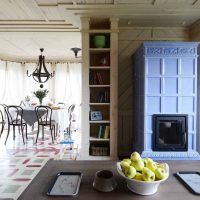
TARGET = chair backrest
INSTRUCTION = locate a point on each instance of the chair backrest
(3, 111)
(44, 114)
(14, 114)
(1, 117)
(70, 111)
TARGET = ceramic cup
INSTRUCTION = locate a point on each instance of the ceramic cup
(104, 181)
(99, 41)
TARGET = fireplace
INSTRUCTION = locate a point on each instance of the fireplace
(165, 100)
(170, 132)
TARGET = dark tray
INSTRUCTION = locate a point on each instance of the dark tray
(191, 179)
(65, 184)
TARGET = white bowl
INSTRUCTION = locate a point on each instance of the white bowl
(142, 187)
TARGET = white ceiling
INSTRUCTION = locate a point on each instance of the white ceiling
(25, 46)
(28, 25)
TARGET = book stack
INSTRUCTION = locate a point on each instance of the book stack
(103, 97)
(95, 78)
(103, 131)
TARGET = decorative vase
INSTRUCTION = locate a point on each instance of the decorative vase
(103, 61)
(40, 100)
(99, 41)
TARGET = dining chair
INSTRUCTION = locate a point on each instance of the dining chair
(2, 119)
(44, 119)
(15, 119)
(70, 116)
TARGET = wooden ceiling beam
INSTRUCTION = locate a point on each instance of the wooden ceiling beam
(131, 13)
(28, 25)
(127, 6)
(134, 9)
(39, 29)
(35, 22)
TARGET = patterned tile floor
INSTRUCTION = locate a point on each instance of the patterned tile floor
(20, 163)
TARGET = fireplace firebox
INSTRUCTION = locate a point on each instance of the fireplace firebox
(170, 132)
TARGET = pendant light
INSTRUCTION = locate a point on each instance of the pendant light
(76, 50)
(41, 74)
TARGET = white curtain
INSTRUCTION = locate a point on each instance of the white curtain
(68, 83)
(68, 86)
(2, 81)
(11, 74)
(29, 84)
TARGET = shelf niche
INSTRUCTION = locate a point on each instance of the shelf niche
(99, 87)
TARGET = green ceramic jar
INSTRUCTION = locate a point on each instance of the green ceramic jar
(99, 41)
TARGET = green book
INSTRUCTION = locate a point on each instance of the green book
(106, 134)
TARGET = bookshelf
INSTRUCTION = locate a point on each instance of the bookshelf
(99, 88)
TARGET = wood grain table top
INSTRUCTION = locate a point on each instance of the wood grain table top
(170, 189)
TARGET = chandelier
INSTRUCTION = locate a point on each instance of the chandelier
(41, 74)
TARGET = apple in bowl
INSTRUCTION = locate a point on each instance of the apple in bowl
(143, 175)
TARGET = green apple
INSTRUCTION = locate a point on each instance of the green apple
(128, 160)
(131, 172)
(161, 165)
(148, 175)
(138, 164)
(146, 160)
(138, 176)
(160, 173)
(135, 155)
(151, 165)
(124, 165)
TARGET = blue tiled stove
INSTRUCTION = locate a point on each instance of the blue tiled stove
(165, 82)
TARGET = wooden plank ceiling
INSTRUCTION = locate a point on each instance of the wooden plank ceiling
(27, 25)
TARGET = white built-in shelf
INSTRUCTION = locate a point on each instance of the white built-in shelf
(99, 85)
(98, 139)
(100, 31)
(93, 63)
(99, 104)
(99, 67)
(99, 49)
(99, 122)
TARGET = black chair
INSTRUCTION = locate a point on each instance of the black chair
(14, 116)
(44, 114)
(2, 119)
(70, 112)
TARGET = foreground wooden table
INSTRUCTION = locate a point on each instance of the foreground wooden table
(170, 189)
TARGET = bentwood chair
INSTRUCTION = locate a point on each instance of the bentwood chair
(2, 118)
(15, 119)
(44, 114)
(70, 116)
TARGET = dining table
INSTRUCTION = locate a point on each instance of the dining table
(59, 115)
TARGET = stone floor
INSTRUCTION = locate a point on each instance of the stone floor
(20, 163)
